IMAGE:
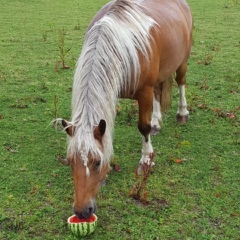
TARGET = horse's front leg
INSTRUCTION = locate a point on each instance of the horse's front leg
(145, 102)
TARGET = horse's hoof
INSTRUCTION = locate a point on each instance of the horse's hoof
(142, 167)
(182, 119)
(155, 130)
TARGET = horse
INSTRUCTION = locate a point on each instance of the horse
(131, 49)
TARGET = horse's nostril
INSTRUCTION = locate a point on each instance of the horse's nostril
(85, 213)
(90, 210)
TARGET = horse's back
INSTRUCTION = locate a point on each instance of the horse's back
(101, 13)
(156, 8)
(174, 33)
(171, 35)
(168, 11)
(173, 18)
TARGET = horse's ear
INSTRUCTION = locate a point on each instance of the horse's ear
(100, 130)
(68, 127)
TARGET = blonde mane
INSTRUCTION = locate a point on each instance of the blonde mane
(108, 62)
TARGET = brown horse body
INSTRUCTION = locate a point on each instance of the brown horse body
(168, 29)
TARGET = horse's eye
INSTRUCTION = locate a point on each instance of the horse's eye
(98, 163)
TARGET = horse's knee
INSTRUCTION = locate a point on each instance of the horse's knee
(144, 129)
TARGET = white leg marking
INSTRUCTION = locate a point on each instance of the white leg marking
(182, 104)
(147, 149)
(156, 117)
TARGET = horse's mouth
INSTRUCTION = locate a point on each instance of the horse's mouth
(86, 212)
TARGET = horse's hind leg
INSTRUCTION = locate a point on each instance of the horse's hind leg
(156, 116)
(182, 113)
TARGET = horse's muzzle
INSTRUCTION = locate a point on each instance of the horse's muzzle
(87, 211)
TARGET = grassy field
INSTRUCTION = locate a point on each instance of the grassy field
(197, 197)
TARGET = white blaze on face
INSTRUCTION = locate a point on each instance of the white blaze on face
(85, 162)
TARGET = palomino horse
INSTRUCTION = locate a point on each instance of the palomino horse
(131, 49)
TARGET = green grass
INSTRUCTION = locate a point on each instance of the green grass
(197, 199)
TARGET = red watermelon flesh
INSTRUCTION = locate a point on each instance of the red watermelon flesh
(75, 219)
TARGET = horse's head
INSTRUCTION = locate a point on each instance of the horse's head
(89, 172)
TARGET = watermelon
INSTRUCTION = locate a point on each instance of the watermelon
(82, 227)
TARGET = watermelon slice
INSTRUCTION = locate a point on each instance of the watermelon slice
(82, 227)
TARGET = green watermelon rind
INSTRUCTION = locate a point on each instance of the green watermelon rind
(82, 229)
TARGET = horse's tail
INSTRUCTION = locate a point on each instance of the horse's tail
(166, 94)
